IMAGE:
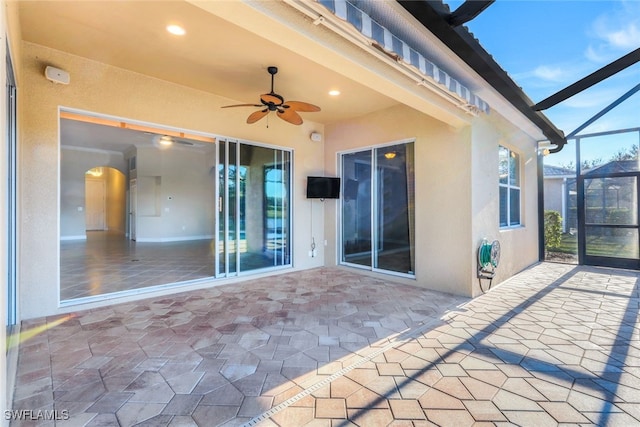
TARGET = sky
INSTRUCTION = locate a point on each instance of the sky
(546, 45)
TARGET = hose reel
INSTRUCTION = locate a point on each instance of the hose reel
(488, 260)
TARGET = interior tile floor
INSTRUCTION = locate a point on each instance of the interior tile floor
(108, 262)
(555, 345)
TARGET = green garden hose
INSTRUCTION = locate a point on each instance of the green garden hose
(488, 259)
(484, 255)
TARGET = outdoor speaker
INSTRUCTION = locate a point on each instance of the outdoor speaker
(56, 75)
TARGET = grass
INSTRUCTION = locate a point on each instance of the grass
(610, 246)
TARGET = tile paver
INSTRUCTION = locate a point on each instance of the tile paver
(324, 347)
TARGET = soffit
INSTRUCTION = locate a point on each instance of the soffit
(215, 55)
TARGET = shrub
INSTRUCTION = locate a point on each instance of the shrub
(552, 229)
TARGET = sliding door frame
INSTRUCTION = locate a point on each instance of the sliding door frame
(374, 208)
(222, 205)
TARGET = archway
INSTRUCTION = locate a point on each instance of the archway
(105, 200)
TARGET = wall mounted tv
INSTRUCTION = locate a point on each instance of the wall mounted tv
(323, 187)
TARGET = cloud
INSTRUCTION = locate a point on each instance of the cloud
(625, 38)
(550, 73)
(551, 76)
(615, 33)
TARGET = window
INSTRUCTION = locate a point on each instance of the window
(378, 209)
(509, 171)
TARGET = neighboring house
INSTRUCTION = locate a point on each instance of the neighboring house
(432, 158)
(611, 193)
(605, 201)
(560, 194)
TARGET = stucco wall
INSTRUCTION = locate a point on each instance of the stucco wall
(457, 196)
(442, 191)
(553, 189)
(519, 245)
(102, 89)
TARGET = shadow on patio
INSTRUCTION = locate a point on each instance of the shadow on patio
(555, 344)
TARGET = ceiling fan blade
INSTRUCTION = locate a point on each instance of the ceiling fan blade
(271, 98)
(289, 115)
(301, 106)
(241, 105)
(254, 117)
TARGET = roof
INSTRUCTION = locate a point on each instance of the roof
(557, 172)
(615, 166)
(435, 16)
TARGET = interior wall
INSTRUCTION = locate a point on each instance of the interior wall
(176, 190)
(442, 190)
(73, 166)
(116, 200)
(107, 90)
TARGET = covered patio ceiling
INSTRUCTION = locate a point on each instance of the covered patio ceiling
(226, 50)
(229, 45)
(214, 56)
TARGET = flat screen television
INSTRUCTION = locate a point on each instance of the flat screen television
(323, 187)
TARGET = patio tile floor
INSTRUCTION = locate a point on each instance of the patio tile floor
(554, 345)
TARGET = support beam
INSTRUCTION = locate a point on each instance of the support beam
(593, 78)
(608, 108)
(468, 11)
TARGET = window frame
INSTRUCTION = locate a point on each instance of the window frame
(509, 186)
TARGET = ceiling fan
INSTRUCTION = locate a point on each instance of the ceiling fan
(287, 111)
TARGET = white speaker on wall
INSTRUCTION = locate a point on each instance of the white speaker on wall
(57, 75)
(315, 136)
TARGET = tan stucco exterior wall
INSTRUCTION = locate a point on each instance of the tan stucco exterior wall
(442, 191)
(519, 245)
(457, 196)
(107, 90)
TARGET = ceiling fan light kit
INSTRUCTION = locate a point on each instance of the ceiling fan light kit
(287, 111)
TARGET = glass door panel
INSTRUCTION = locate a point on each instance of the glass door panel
(356, 208)
(276, 215)
(254, 208)
(378, 208)
(221, 242)
(611, 217)
(264, 227)
(394, 178)
(232, 210)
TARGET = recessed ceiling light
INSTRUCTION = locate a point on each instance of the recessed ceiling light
(334, 92)
(166, 140)
(176, 30)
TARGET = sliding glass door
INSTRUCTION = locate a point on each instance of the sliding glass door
(378, 208)
(253, 208)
